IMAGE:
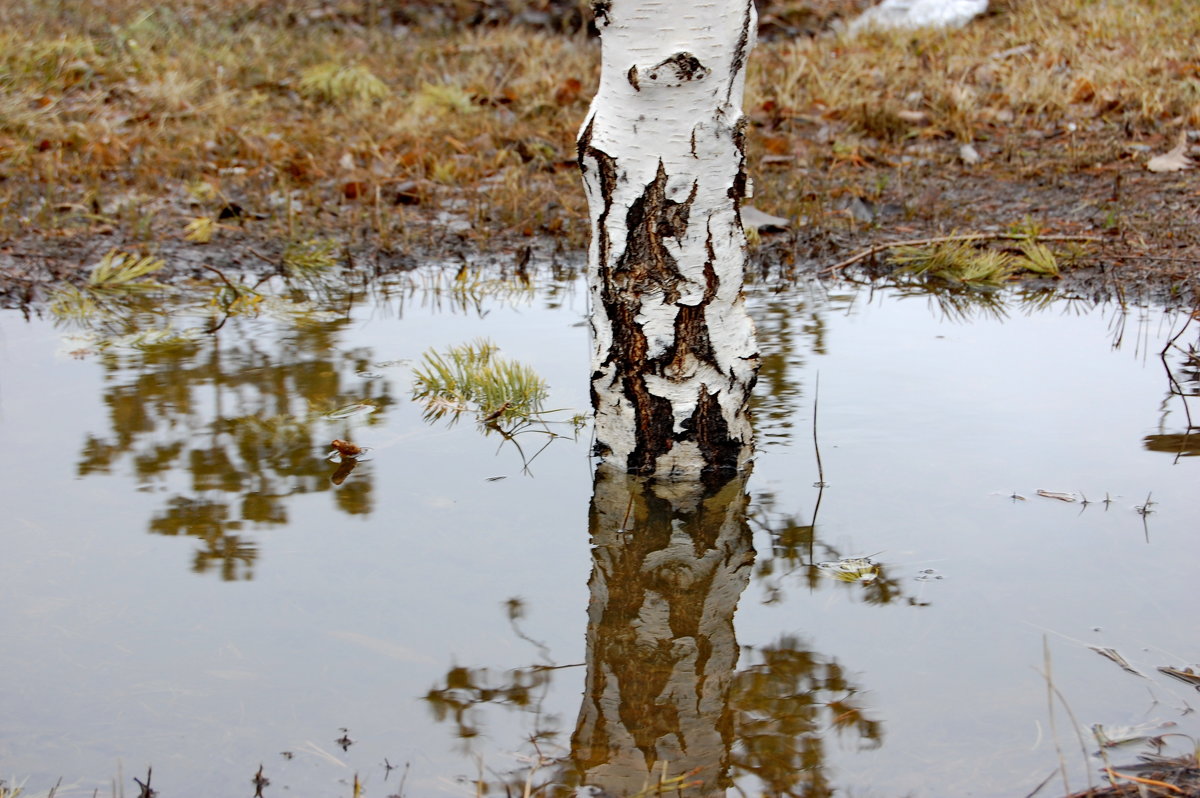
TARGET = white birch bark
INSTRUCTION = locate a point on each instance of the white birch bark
(674, 355)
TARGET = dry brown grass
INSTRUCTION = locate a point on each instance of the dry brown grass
(117, 117)
(288, 120)
(1052, 85)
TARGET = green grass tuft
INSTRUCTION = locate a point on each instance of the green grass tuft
(339, 85)
(473, 376)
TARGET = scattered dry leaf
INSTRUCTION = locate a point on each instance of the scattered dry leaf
(1057, 494)
(568, 92)
(354, 189)
(753, 218)
(346, 448)
(777, 145)
(1172, 161)
(1083, 91)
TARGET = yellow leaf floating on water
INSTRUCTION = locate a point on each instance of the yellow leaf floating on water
(200, 230)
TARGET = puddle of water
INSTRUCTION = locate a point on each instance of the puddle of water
(188, 584)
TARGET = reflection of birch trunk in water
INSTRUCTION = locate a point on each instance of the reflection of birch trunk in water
(670, 562)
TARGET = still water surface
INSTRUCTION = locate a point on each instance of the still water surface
(185, 586)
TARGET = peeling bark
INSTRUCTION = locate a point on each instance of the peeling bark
(662, 155)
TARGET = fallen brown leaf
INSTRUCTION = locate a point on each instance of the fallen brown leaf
(1173, 161)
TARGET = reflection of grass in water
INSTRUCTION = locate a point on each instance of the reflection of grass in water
(116, 277)
(472, 374)
(122, 304)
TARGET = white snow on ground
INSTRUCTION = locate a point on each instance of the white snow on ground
(919, 14)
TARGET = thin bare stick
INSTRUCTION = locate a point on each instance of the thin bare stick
(1164, 258)
(1114, 775)
(1062, 762)
(820, 469)
(816, 445)
(224, 279)
(263, 257)
(923, 242)
(1075, 724)
(1045, 781)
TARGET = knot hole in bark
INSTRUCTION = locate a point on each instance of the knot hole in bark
(674, 71)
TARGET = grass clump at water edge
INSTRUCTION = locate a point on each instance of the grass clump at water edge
(969, 260)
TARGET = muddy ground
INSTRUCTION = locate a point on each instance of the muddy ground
(1152, 255)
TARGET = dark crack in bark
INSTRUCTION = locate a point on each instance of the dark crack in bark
(647, 267)
(741, 50)
(737, 192)
(645, 271)
(708, 428)
(601, 10)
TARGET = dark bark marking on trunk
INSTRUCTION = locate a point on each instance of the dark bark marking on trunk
(647, 266)
(737, 192)
(632, 77)
(607, 167)
(645, 270)
(691, 338)
(711, 282)
(583, 144)
(708, 428)
(625, 334)
(679, 69)
(601, 9)
(740, 51)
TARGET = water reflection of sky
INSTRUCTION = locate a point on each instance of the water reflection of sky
(120, 648)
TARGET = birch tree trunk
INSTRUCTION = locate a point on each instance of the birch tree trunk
(674, 356)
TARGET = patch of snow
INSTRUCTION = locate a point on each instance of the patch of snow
(919, 14)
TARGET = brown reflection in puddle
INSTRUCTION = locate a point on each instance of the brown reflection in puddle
(664, 708)
(245, 419)
(670, 562)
